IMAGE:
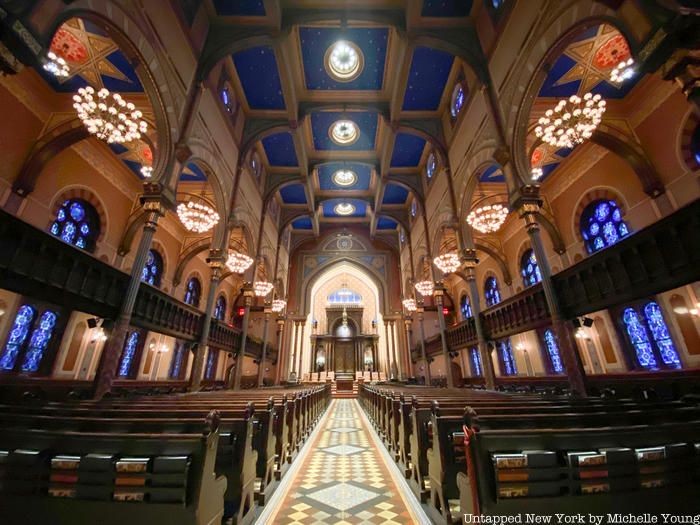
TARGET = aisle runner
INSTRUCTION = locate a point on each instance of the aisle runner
(343, 479)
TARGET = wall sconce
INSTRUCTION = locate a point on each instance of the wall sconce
(99, 336)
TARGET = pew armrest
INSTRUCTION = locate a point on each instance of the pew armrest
(210, 497)
(467, 505)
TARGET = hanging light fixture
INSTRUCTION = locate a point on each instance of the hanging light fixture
(197, 217)
(56, 65)
(238, 262)
(536, 173)
(278, 305)
(262, 288)
(488, 219)
(147, 171)
(623, 71)
(572, 121)
(409, 305)
(425, 288)
(447, 262)
(108, 116)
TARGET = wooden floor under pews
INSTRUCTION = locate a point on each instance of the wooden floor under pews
(237, 457)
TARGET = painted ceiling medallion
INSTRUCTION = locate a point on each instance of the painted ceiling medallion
(344, 208)
(344, 61)
(344, 132)
(344, 178)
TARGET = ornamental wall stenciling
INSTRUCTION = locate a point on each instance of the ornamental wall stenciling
(377, 263)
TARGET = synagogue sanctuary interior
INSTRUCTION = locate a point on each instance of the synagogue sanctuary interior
(350, 262)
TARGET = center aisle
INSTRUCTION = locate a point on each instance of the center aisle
(344, 479)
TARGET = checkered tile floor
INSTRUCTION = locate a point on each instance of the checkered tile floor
(343, 479)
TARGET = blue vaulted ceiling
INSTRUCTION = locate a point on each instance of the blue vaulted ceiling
(326, 171)
(384, 223)
(321, 122)
(192, 173)
(360, 207)
(257, 70)
(430, 69)
(493, 173)
(302, 224)
(395, 194)
(408, 150)
(293, 194)
(279, 149)
(446, 8)
(239, 7)
(315, 41)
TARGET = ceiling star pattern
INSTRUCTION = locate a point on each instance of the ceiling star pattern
(259, 75)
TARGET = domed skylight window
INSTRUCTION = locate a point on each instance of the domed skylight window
(344, 178)
(344, 132)
(344, 208)
(344, 61)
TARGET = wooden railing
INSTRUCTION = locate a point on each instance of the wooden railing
(462, 335)
(522, 312)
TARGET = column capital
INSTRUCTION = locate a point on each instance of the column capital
(217, 262)
(502, 155)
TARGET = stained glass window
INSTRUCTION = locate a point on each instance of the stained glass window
(132, 341)
(639, 338)
(496, 3)
(659, 332)
(178, 358)
(41, 336)
(476, 361)
(507, 358)
(18, 336)
(602, 225)
(414, 208)
(255, 165)
(529, 269)
(226, 99)
(457, 101)
(153, 270)
(77, 223)
(695, 143)
(465, 307)
(491, 292)
(193, 292)
(210, 368)
(430, 166)
(220, 308)
(553, 351)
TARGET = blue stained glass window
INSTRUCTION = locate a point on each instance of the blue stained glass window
(430, 166)
(457, 100)
(344, 296)
(602, 225)
(220, 308)
(553, 351)
(491, 292)
(465, 307)
(496, 3)
(41, 336)
(529, 269)
(210, 368)
(153, 270)
(476, 361)
(193, 292)
(639, 338)
(178, 358)
(507, 358)
(132, 341)
(77, 223)
(414, 209)
(659, 331)
(18, 336)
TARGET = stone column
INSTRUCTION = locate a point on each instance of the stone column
(388, 348)
(281, 356)
(470, 262)
(528, 211)
(112, 350)
(261, 368)
(439, 294)
(409, 336)
(248, 296)
(293, 360)
(216, 263)
(302, 326)
(419, 311)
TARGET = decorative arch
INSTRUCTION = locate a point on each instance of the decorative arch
(500, 261)
(190, 253)
(81, 192)
(594, 194)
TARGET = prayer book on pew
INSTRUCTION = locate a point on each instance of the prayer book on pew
(63, 479)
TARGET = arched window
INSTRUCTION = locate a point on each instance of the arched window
(496, 3)
(695, 144)
(602, 225)
(430, 166)
(491, 292)
(465, 307)
(414, 208)
(529, 269)
(210, 369)
(77, 223)
(130, 347)
(457, 101)
(255, 165)
(345, 296)
(648, 334)
(226, 99)
(153, 270)
(553, 352)
(220, 308)
(475, 362)
(193, 292)
(178, 358)
(41, 336)
(19, 334)
(505, 353)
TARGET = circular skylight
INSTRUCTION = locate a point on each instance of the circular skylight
(344, 132)
(344, 178)
(344, 208)
(344, 61)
